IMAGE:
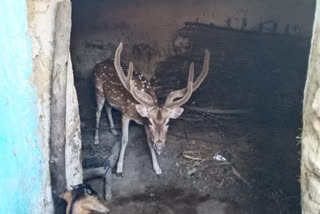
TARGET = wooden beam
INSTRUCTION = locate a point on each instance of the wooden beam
(58, 102)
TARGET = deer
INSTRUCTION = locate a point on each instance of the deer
(82, 199)
(123, 89)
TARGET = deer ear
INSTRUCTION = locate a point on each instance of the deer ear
(176, 112)
(142, 110)
(67, 196)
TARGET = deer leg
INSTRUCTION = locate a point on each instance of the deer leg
(155, 163)
(100, 103)
(109, 113)
(124, 141)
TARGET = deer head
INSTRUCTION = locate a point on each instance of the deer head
(159, 116)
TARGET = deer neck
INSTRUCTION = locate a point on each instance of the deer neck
(78, 210)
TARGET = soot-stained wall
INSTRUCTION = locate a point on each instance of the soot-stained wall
(147, 27)
(265, 71)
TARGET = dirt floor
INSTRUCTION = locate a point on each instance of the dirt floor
(259, 173)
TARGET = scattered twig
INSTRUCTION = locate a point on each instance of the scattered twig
(105, 171)
(209, 118)
(204, 188)
(190, 119)
(288, 198)
(223, 163)
(110, 163)
(218, 111)
(239, 176)
(221, 183)
(189, 157)
(186, 135)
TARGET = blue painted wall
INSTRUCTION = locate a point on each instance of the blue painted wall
(21, 163)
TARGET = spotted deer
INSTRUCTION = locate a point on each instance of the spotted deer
(119, 87)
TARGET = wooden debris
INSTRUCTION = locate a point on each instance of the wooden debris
(93, 172)
(190, 157)
(218, 111)
(105, 171)
(239, 176)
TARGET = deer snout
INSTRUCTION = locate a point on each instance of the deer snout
(159, 146)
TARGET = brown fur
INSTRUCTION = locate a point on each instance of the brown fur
(116, 95)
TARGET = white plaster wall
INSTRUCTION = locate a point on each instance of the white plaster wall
(73, 160)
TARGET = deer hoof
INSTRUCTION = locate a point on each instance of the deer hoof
(119, 174)
(114, 132)
(114, 170)
(119, 171)
(158, 171)
(96, 141)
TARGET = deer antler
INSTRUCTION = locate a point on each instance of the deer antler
(128, 83)
(183, 92)
(186, 96)
(117, 65)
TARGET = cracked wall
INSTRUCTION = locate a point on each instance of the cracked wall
(41, 29)
(25, 179)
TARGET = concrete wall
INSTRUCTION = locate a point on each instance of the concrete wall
(147, 27)
(310, 162)
(24, 174)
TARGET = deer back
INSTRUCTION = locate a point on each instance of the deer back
(108, 85)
